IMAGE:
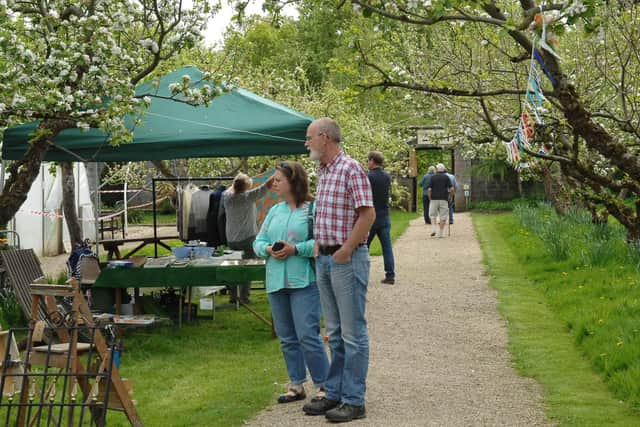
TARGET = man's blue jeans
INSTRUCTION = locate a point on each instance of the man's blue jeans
(425, 206)
(343, 290)
(296, 318)
(382, 229)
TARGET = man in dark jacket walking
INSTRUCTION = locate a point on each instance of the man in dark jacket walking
(381, 187)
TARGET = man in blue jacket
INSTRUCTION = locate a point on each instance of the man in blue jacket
(381, 188)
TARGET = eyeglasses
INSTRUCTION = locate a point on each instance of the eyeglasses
(309, 138)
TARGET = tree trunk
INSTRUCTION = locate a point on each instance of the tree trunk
(69, 204)
(555, 191)
(163, 168)
(23, 172)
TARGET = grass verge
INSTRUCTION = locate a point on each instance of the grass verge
(539, 323)
(209, 373)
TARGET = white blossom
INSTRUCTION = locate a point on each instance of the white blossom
(17, 99)
(83, 125)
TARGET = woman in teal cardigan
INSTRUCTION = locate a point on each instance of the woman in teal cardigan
(285, 241)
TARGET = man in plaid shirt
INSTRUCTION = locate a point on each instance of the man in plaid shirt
(344, 214)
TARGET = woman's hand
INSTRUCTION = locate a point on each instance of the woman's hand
(284, 253)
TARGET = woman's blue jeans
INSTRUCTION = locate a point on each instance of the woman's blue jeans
(343, 291)
(296, 318)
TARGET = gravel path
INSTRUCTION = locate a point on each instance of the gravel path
(438, 345)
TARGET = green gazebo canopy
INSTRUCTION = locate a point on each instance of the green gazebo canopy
(239, 123)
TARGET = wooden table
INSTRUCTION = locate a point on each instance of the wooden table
(112, 246)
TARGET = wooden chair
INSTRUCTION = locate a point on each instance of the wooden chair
(22, 268)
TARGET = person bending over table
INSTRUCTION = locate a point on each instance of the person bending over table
(240, 207)
(284, 240)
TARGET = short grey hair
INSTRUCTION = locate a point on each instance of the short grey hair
(432, 169)
(330, 128)
(441, 168)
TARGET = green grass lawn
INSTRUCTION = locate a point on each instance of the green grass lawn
(567, 324)
(209, 373)
(146, 251)
(146, 218)
(399, 223)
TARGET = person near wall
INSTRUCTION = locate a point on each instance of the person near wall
(239, 204)
(286, 241)
(381, 188)
(344, 215)
(440, 191)
(426, 180)
(452, 200)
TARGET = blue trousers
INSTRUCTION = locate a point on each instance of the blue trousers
(425, 205)
(296, 318)
(382, 229)
(343, 291)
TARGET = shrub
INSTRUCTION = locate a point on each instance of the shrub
(528, 217)
(555, 234)
(633, 254)
(11, 314)
(166, 207)
(578, 215)
(601, 245)
(135, 216)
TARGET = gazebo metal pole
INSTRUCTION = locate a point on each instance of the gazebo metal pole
(2, 175)
(155, 220)
(96, 208)
(42, 208)
(126, 201)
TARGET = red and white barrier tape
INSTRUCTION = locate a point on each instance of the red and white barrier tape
(53, 214)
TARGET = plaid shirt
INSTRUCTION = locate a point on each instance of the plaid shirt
(343, 186)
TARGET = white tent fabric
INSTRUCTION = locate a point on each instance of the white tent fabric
(39, 221)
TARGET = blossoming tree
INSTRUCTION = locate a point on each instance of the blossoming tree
(75, 64)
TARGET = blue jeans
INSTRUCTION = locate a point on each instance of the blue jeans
(382, 229)
(425, 206)
(343, 291)
(296, 318)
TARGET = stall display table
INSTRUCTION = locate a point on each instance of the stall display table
(223, 272)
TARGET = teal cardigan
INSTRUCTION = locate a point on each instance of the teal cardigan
(290, 226)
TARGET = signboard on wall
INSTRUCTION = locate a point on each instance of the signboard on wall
(433, 138)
